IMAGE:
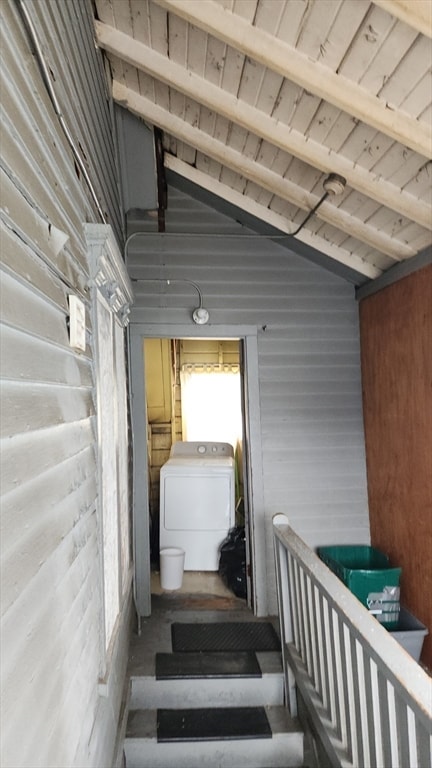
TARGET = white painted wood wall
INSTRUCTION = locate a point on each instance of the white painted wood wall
(55, 709)
(309, 367)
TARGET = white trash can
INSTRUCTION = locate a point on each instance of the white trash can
(171, 567)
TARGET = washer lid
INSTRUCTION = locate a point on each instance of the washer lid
(216, 463)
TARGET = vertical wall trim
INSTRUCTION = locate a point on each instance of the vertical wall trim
(141, 532)
(112, 297)
(255, 471)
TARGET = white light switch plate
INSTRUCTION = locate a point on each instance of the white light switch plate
(77, 324)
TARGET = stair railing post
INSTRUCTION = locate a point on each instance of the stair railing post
(285, 612)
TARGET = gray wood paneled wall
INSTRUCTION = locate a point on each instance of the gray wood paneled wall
(312, 438)
(55, 710)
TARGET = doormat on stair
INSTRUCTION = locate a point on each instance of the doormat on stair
(219, 723)
(173, 666)
(224, 636)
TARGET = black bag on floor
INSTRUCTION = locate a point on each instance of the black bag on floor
(232, 561)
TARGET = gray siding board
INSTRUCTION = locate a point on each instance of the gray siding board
(82, 91)
(17, 159)
(300, 442)
(294, 292)
(305, 428)
(21, 355)
(302, 476)
(179, 311)
(222, 253)
(19, 260)
(20, 263)
(50, 447)
(304, 460)
(317, 344)
(273, 302)
(312, 359)
(23, 504)
(35, 147)
(53, 656)
(216, 270)
(303, 394)
(303, 404)
(22, 309)
(37, 233)
(58, 518)
(314, 373)
(55, 642)
(289, 297)
(78, 67)
(69, 559)
(301, 334)
(96, 106)
(311, 434)
(298, 502)
(310, 424)
(47, 406)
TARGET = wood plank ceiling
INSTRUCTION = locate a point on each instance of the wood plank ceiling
(260, 100)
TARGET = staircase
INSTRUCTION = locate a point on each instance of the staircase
(219, 709)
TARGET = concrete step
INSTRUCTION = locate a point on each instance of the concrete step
(149, 693)
(283, 750)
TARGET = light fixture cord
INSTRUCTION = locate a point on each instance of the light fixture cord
(169, 280)
(310, 214)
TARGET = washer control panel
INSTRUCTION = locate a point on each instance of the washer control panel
(195, 449)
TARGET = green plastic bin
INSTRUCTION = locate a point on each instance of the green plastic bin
(367, 573)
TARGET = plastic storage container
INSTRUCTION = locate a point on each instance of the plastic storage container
(410, 633)
(367, 573)
(171, 567)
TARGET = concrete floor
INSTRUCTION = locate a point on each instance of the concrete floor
(202, 597)
(194, 583)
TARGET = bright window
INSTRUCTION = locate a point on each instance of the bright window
(211, 403)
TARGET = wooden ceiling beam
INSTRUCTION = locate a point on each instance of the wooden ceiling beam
(257, 173)
(253, 208)
(314, 77)
(416, 13)
(256, 121)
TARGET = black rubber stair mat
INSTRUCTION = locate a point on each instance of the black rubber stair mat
(213, 724)
(224, 636)
(172, 666)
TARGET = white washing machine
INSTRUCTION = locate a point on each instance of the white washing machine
(197, 507)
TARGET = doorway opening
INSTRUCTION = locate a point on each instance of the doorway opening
(253, 489)
(193, 394)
